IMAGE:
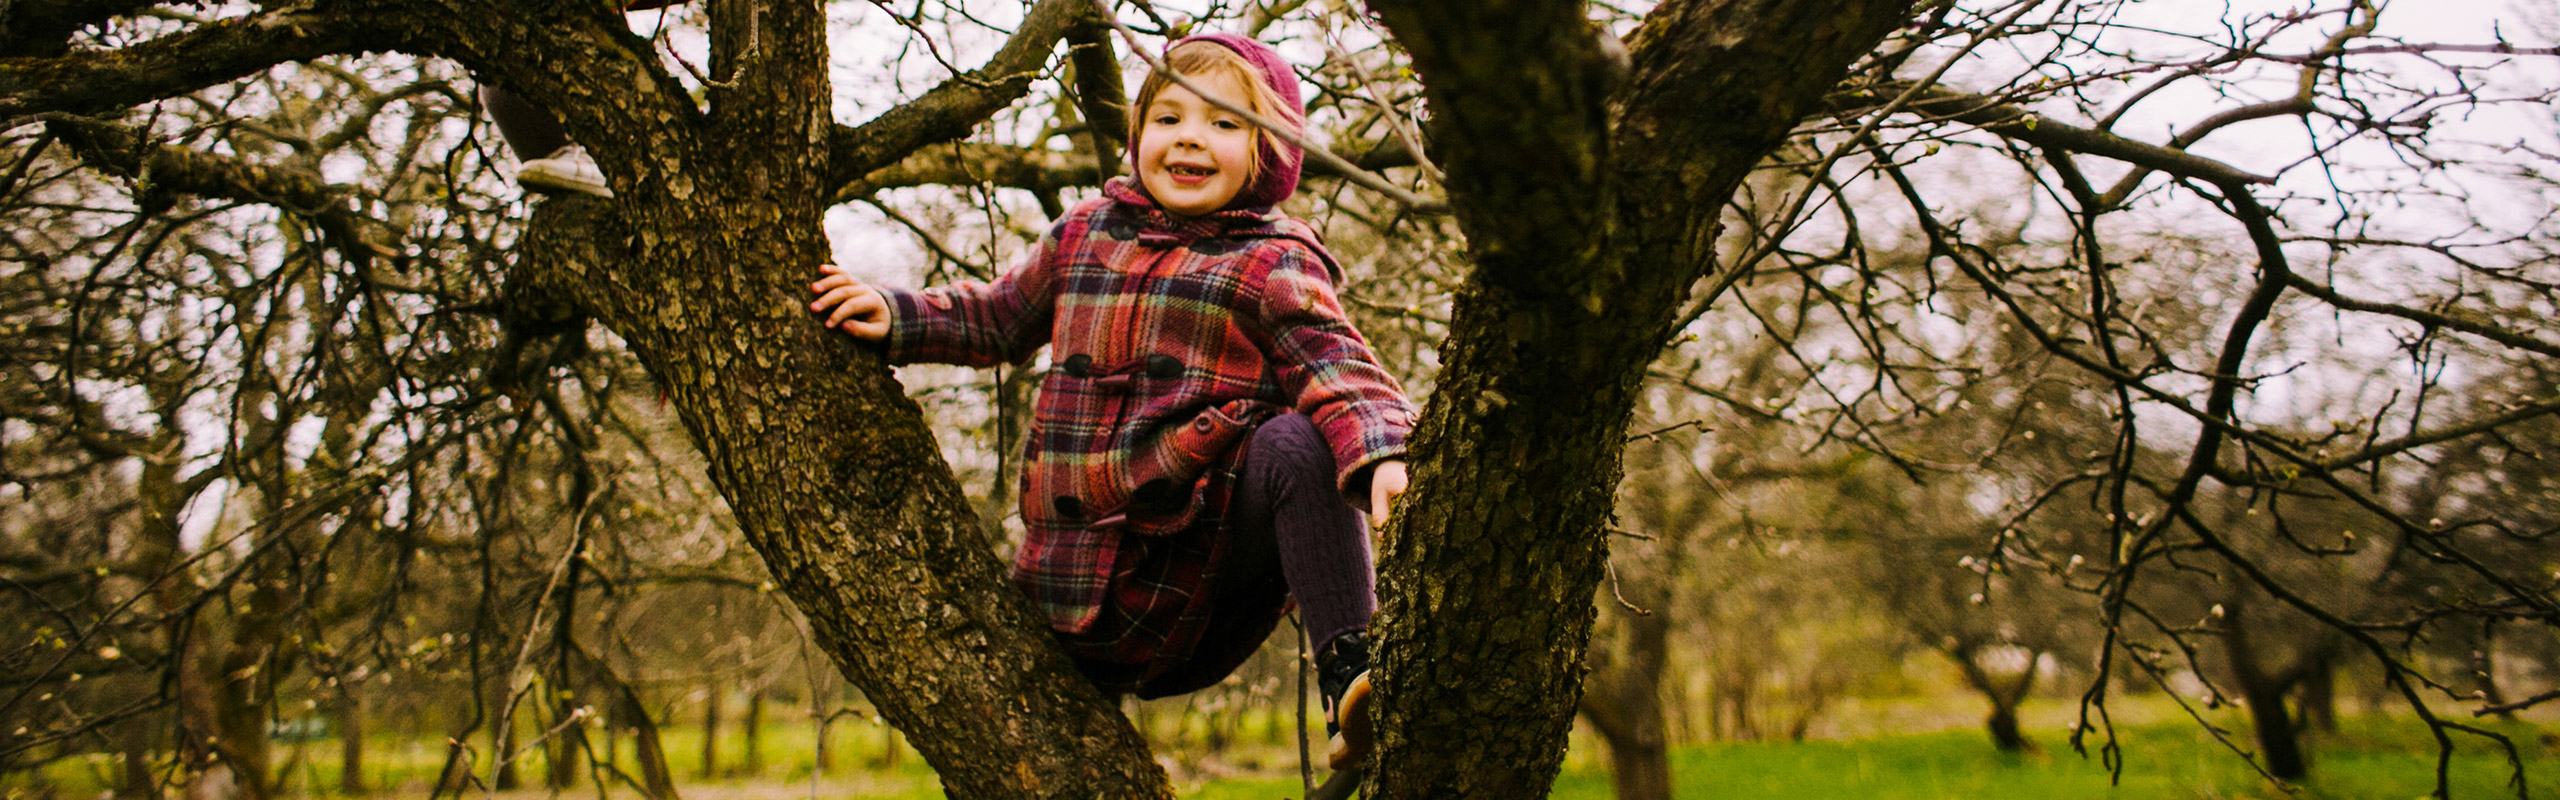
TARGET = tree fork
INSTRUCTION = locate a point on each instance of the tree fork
(700, 264)
(837, 483)
(1561, 150)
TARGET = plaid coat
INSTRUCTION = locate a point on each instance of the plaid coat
(1170, 339)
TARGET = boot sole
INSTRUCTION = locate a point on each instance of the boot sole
(1351, 745)
(539, 179)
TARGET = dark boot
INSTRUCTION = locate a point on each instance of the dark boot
(1342, 678)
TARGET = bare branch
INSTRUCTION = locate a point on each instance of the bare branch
(2435, 319)
(124, 151)
(2009, 121)
(948, 111)
(169, 66)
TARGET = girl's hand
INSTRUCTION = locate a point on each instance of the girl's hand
(856, 308)
(1386, 483)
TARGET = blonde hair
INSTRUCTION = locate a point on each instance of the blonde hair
(1206, 61)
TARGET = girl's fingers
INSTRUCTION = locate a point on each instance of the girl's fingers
(830, 297)
(834, 280)
(864, 305)
(845, 294)
(841, 313)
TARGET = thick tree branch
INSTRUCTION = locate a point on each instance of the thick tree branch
(36, 28)
(85, 83)
(1518, 93)
(1099, 95)
(947, 112)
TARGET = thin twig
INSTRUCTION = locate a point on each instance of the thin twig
(1787, 222)
(1656, 434)
(1614, 593)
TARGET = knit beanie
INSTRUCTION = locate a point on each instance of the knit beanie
(1280, 159)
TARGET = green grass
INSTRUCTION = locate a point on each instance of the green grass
(2370, 758)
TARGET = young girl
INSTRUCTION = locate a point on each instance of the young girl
(1211, 418)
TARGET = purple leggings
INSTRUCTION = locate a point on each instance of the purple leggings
(530, 130)
(1293, 532)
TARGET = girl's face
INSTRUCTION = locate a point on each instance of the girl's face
(1193, 156)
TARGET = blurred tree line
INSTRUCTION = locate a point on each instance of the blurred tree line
(2087, 347)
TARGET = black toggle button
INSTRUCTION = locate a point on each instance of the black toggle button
(1158, 494)
(1080, 365)
(1163, 367)
(1068, 507)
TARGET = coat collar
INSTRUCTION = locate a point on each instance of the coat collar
(1159, 228)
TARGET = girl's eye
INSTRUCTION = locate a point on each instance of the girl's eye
(1229, 125)
(1167, 119)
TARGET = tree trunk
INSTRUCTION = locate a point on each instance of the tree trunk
(823, 759)
(623, 709)
(754, 763)
(711, 731)
(2004, 728)
(701, 263)
(2320, 699)
(137, 782)
(652, 755)
(162, 495)
(2005, 698)
(1729, 701)
(2263, 690)
(508, 777)
(2279, 742)
(1562, 172)
(571, 732)
(350, 741)
(890, 749)
(2484, 666)
(243, 687)
(1623, 703)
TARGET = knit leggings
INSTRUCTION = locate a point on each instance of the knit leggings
(530, 130)
(1287, 518)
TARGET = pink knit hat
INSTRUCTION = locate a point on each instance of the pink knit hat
(1280, 159)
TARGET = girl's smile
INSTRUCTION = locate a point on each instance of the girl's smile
(1194, 157)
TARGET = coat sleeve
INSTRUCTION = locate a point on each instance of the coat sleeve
(1326, 368)
(979, 324)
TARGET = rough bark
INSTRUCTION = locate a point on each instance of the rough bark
(1560, 184)
(205, 56)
